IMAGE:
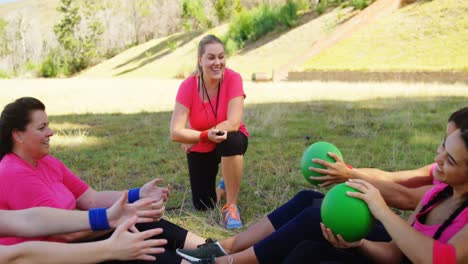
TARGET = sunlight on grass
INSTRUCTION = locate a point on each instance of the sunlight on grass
(72, 135)
(155, 95)
(74, 138)
(68, 126)
(427, 35)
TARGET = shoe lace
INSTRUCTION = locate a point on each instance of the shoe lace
(231, 210)
(208, 242)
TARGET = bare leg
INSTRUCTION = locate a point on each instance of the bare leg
(192, 241)
(231, 169)
(247, 256)
(249, 237)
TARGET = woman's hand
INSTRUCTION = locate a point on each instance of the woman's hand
(369, 194)
(338, 241)
(144, 209)
(124, 245)
(334, 173)
(153, 191)
(217, 138)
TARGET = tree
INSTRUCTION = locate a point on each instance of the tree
(226, 8)
(194, 16)
(78, 33)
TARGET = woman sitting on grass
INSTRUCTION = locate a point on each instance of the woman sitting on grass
(31, 177)
(437, 230)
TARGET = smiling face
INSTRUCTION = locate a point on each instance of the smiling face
(213, 61)
(452, 161)
(33, 142)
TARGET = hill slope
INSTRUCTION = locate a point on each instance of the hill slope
(426, 35)
(156, 59)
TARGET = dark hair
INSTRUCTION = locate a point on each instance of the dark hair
(16, 115)
(464, 133)
(459, 117)
(209, 39)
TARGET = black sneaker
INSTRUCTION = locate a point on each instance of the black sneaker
(210, 260)
(203, 252)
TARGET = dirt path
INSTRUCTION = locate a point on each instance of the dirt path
(377, 9)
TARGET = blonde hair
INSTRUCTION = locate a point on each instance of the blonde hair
(209, 39)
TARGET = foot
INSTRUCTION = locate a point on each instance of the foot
(220, 190)
(231, 216)
(204, 252)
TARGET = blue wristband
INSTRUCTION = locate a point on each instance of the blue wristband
(98, 219)
(133, 195)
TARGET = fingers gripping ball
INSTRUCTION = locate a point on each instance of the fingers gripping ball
(344, 215)
(318, 150)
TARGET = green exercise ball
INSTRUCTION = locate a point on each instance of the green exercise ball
(318, 150)
(348, 216)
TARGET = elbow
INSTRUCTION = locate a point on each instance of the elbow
(175, 137)
(403, 201)
(234, 126)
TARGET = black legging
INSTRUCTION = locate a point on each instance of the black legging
(174, 234)
(203, 168)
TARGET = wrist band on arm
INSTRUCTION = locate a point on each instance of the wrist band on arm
(133, 195)
(349, 166)
(443, 253)
(204, 136)
(98, 219)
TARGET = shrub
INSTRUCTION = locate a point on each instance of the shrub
(48, 67)
(4, 75)
(359, 4)
(288, 14)
(248, 26)
(321, 7)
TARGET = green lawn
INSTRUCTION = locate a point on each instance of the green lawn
(114, 133)
(426, 35)
(116, 151)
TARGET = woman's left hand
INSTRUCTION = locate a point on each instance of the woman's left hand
(369, 194)
(155, 192)
(145, 210)
(337, 240)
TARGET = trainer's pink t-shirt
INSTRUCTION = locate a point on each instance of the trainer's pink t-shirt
(429, 230)
(49, 184)
(201, 116)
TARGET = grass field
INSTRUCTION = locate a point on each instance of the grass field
(115, 137)
(426, 35)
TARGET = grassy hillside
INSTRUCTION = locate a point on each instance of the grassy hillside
(43, 10)
(426, 35)
(156, 58)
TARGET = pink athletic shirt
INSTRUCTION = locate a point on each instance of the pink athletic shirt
(50, 184)
(201, 116)
(429, 230)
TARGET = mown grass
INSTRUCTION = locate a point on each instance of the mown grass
(117, 151)
(426, 35)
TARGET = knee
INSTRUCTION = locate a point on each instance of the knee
(308, 195)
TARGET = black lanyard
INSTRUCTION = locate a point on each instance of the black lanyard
(205, 91)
